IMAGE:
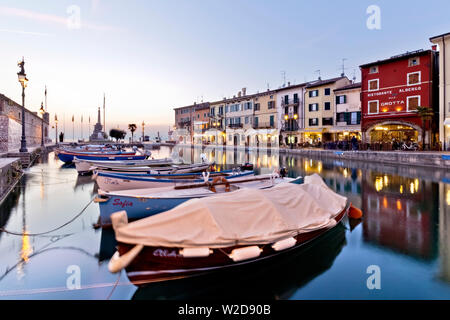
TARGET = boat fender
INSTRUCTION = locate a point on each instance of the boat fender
(354, 212)
(100, 199)
(195, 252)
(284, 244)
(245, 253)
(119, 219)
(118, 262)
(95, 175)
(205, 176)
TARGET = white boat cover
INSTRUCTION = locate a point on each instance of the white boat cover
(242, 217)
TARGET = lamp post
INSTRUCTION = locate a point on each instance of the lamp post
(41, 112)
(143, 127)
(23, 81)
(56, 131)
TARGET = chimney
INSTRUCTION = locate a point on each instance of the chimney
(244, 91)
(289, 83)
(320, 78)
(239, 94)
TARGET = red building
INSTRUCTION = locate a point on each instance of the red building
(391, 90)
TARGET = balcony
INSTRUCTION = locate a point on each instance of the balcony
(263, 125)
(289, 125)
(235, 125)
(290, 102)
(182, 124)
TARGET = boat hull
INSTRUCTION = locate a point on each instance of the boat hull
(112, 182)
(142, 207)
(69, 157)
(156, 264)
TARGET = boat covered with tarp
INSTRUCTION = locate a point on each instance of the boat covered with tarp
(225, 230)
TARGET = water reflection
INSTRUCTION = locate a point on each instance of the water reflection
(405, 229)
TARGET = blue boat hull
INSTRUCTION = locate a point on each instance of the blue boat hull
(67, 158)
(136, 208)
(139, 208)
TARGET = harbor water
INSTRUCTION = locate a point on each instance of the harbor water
(50, 250)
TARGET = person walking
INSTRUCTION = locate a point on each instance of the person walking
(354, 142)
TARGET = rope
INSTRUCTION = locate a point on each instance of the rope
(114, 287)
(46, 232)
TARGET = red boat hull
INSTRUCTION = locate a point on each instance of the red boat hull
(154, 264)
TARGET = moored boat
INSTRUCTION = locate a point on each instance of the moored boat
(225, 231)
(68, 156)
(86, 166)
(141, 203)
(115, 182)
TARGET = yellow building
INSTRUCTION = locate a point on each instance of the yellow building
(320, 113)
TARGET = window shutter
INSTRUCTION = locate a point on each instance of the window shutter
(347, 117)
(358, 117)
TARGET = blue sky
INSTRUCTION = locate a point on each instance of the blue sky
(151, 56)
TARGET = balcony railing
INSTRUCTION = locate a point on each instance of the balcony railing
(290, 102)
(263, 125)
(235, 125)
(289, 125)
(184, 124)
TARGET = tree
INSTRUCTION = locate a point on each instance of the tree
(132, 127)
(117, 134)
(426, 115)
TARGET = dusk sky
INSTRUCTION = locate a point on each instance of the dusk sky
(151, 56)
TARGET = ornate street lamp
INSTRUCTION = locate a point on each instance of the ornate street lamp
(23, 81)
(41, 112)
(56, 127)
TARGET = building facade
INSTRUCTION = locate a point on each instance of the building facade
(11, 126)
(444, 88)
(348, 112)
(391, 90)
(320, 113)
(290, 110)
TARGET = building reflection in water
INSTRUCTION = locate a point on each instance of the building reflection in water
(399, 214)
(444, 231)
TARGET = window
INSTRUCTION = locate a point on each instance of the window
(341, 99)
(212, 111)
(374, 84)
(413, 78)
(354, 118)
(313, 93)
(327, 91)
(314, 121)
(295, 97)
(286, 99)
(271, 97)
(327, 121)
(271, 104)
(246, 120)
(198, 116)
(412, 103)
(373, 69)
(373, 106)
(272, 121)
(314, 107)
(256, 121)
(327, 105)
(247, 106)
(257, 107)
(413, 62)
(221, 110)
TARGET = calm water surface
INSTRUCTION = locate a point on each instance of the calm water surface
(405, 231)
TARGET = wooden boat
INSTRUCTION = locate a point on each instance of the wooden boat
(115, 182)
(172, 169)
(68, 156)
(225, 231)
(86, 166)
(141, 203)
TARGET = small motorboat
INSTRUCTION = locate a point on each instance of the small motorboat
(225, 231)
(86, 166)
(115, 182)
(141, 203)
